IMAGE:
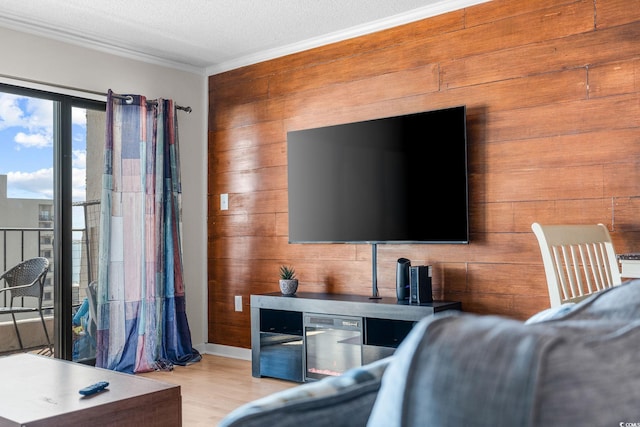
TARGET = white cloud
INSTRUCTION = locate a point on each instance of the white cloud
(33, 114)
(33, 140)
(39, 183)
(10, 113)
(79, 184)
(79, 159)
(39, 114)
(79, 116)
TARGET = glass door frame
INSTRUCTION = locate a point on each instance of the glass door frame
(63, 204)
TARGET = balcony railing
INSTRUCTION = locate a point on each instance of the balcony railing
(19, 244)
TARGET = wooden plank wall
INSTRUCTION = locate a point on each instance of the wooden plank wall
(552, 92)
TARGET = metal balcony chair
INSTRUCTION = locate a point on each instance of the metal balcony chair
(25, 280)
(579, 260)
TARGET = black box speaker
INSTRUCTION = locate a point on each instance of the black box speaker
(402, 279)
(420, 284)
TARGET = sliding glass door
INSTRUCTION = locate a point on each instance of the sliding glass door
(50, 178)
(88, 133)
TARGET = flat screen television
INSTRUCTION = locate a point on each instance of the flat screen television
(399, 179)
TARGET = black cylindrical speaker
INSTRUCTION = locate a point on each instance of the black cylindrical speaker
(402, 279)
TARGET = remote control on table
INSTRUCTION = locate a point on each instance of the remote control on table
(94, 388)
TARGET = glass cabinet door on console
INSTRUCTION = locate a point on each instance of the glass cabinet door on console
(333, 344)
(281, 344)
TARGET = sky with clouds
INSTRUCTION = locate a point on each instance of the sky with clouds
(26, 147)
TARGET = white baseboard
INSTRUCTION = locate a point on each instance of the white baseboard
(226, 351)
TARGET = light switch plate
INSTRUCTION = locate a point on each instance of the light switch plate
(224, 202)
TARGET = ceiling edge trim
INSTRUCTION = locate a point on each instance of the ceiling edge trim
(25, 27)
(435, 9)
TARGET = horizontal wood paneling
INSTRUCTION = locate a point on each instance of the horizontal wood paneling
(350, 48)
(615, 78)
(603, 46)
(614, 12)
(552, 90)
(484, 13)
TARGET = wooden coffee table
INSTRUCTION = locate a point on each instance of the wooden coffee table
(43, 391)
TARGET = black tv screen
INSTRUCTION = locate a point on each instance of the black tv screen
(399, 179)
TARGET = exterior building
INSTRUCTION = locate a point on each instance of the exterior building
(26, 231)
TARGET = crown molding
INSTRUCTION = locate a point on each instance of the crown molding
(41, 30)
(435, 9)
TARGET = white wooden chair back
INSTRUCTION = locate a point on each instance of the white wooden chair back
(578, 260)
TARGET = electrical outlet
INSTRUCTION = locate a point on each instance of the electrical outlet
(224, 202)
(238, 302)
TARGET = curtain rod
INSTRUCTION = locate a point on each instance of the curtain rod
(128, 98)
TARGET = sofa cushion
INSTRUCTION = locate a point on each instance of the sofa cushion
(581, 368)
(345, 400)
(620, 303)
(551, 313)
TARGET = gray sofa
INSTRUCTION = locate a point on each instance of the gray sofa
(575, 365)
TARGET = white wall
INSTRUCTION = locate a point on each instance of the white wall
(31, 57)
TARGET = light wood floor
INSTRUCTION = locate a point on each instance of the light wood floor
(215, 386)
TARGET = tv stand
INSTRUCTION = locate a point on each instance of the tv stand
(281, 327)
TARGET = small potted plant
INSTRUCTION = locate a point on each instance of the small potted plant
(288, 280)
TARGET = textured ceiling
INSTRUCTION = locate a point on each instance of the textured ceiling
(211, 36)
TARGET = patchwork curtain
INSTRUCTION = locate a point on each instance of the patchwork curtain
(141, 317)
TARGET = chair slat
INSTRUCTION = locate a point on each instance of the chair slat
(578, 260)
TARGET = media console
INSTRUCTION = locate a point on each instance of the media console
(311, 335)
